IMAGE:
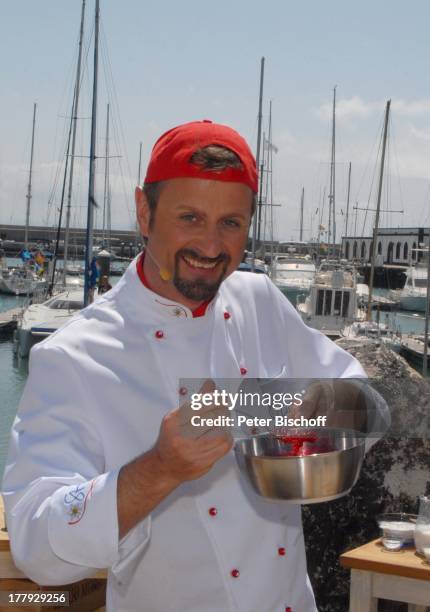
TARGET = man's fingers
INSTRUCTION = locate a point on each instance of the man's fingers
(208, 386)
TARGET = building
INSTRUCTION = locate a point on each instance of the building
(396, 246)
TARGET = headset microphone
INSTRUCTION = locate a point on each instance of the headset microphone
(164, 273)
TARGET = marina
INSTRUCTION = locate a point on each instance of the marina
(326, 188)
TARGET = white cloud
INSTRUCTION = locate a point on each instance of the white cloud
(411, 108)
(356, 107)
(352, 107)
(420, 134)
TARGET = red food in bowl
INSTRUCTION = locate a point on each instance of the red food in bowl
(302, 446)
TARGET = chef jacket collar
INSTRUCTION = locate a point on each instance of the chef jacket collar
(200, 311)
(141, 302)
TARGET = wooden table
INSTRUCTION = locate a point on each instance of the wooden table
(84, 596)
(379, 574)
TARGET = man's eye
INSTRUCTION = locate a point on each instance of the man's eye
(188, 217)
(231, 223)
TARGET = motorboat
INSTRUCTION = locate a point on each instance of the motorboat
(332, 301)
(413, 296)
(39, 321)
(293, 275)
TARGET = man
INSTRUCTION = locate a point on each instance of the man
(99, 472)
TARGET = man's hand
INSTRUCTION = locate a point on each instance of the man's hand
(182, 452)
(341, 401)
(187, 452)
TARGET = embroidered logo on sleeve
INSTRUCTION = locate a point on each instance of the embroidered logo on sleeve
(75, 501)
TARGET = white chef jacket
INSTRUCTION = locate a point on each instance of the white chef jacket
(94, 400)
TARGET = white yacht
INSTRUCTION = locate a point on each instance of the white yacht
(332, 302)
(413, 296)
(40, 320)
(293, 275)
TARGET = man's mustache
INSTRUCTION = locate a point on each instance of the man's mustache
(222, 257)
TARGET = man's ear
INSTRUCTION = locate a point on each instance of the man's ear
(143, 212)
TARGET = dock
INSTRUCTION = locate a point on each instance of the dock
(9, 320)
(412, 347)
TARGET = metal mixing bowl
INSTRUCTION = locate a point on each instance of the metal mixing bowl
(302, 479)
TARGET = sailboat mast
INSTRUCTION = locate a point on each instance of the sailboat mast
(72, 152)
(30, 174)
(426, 324)
(106, 229)
(378, 208)
(139, 169)
(257, 157)
(260, 197)
(270, 179)
(91, 200)
(355, 219)
(332, 196)
(302, 205)
(347, 200)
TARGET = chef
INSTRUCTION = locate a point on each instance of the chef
(99, 474)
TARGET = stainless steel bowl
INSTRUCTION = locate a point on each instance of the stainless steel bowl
(302, 479)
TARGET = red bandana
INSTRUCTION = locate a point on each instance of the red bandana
(170, 157)
(197, 312)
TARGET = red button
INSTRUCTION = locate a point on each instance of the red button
(235, 573)
(183, 391)
(159, 334)
(243, 371)
(227, 315)
(213, 511)
(288, 609)
(281, 551)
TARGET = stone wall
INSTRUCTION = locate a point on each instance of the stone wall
(395, 472)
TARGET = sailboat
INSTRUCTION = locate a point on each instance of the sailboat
(40, 320)
(23, 280)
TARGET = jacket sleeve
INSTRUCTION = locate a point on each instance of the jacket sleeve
(60, 502)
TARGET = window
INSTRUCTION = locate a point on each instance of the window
(363, 250)
(320, 301)
(354, 252)
(327, 303)
(405, 250)
(58, 304)
(398, 247)
(337, 302)
(347, 249)
(345, 304)
(414, 253)
(420, 282)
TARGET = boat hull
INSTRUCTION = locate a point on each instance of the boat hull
(415, 303)
(293, 293)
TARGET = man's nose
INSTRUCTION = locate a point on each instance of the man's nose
(210, 242)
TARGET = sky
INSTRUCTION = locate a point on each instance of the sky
(164, 63)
